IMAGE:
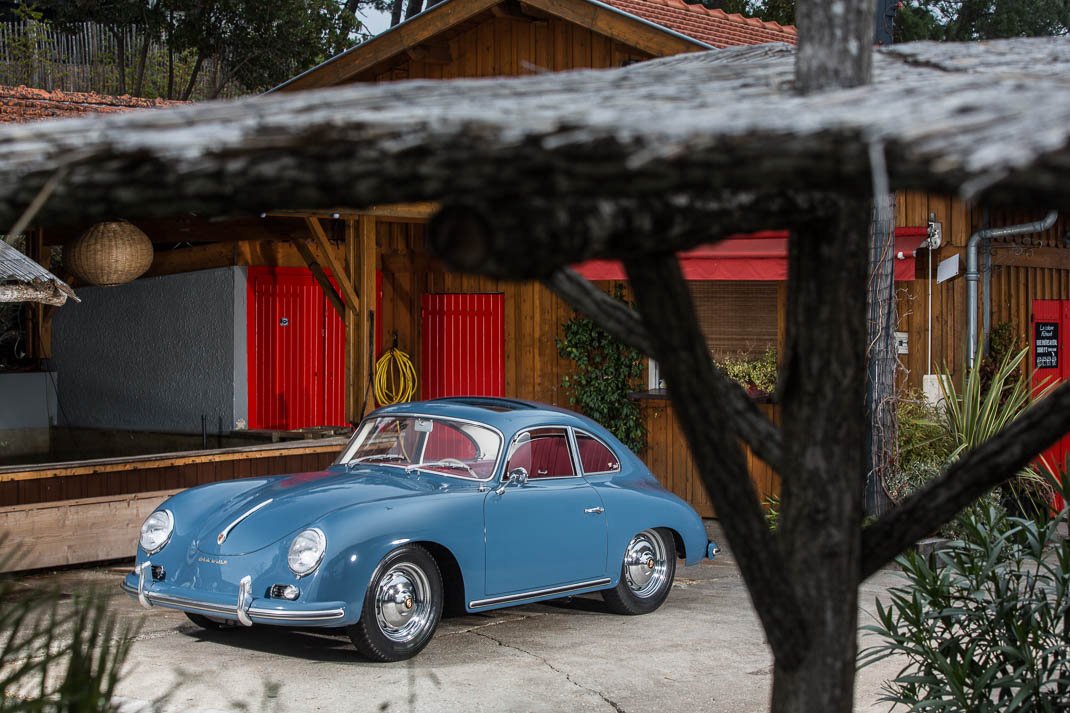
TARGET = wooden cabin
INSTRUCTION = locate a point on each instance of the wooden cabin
(272, 324)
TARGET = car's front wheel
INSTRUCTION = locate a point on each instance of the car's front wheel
(402, 606)
(646, 574)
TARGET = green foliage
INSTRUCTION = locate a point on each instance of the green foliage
(930, 438)
(606, 372)
(983, 625)
(27, 50)
(59, 656)
(757, 375)
(772, 512)
(967, 20)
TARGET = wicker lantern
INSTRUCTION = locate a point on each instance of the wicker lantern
(110, 253)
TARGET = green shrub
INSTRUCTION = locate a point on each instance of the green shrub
(756, 374)
(984, 624)
(606, 373)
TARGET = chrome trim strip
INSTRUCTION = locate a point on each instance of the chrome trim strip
(226, 530)
(183, 603)
(537, 593)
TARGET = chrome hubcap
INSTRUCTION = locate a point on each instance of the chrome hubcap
(645, 564)
(402, 607)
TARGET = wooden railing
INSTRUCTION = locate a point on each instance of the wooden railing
(91, 511)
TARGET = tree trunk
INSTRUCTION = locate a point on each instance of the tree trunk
(413, 8)
(120, 57)
(170, 54)
(142, 58)
(835, 44)
(880, 391)
(395, 12)
(824, 428)
(194, 73)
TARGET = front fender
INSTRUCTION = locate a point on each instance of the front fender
(359, 537)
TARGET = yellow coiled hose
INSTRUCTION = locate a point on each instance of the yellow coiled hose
(395, 378)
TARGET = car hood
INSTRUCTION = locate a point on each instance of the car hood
(259, 517)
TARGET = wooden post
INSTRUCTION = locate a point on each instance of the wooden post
(361, 322)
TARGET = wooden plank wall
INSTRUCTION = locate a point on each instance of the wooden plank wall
(669, 459)
(505, 46)
(124, 476)
(75, 531)
(1024, 269)
(533, 314)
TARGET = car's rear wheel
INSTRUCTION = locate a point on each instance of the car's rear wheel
(209, 623)
(402, 606)
(646, 574)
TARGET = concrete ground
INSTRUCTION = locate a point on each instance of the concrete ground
(703, 651)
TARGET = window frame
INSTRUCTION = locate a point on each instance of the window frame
(570, 443)
(575, 436)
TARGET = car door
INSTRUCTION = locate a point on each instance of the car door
(551, 530)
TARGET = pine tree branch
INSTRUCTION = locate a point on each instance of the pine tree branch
(976, 472)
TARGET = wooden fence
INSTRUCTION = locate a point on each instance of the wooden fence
(73, 513)
(85, 59)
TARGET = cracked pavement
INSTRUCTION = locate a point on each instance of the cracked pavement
(702, 651)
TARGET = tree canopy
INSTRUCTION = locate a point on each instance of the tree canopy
(257, 43)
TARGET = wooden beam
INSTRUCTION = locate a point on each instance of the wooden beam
(337, 269)
(194, 257)
(400, 211)
(1039, 257)
(193, 229)
(362, 258)
(127, 463)
(321, 277)
(348, 65)
(619, 25)
(431, 53)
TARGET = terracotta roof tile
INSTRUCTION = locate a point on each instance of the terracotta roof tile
(714, 27)
(22, 104)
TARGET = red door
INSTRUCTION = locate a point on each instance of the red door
(1048, 335)
(296, 352)
(463, 345)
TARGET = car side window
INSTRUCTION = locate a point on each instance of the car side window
(595, 456)
(543, 453)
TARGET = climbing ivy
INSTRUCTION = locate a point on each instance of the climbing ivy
(606, 372)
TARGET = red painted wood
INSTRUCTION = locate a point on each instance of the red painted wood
(296, 348)
(463, 349)
(1057, 312)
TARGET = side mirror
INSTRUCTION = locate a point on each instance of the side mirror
(516, 475)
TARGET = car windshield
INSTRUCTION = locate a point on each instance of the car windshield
(456, 448)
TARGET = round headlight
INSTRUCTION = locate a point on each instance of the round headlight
(306, 551)
(156, 531)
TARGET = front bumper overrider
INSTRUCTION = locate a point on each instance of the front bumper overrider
(245, 608)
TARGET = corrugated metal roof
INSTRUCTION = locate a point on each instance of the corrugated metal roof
(18, 270)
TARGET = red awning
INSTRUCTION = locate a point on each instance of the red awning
(755, 256)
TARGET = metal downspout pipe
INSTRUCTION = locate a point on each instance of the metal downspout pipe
(973, 275)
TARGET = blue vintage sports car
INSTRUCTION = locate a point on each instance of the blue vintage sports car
(467, 504)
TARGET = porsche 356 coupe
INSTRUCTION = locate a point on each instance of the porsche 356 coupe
(467, 504)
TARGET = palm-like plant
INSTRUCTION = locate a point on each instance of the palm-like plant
(56, 655)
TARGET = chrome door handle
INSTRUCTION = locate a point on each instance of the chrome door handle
(594, 511)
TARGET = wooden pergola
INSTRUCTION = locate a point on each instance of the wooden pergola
(538, 173)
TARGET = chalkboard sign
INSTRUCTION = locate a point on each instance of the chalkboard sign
(1046, 345)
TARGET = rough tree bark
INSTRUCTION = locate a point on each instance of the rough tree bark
(823, 407)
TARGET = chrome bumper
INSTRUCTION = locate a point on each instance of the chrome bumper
(242, 610)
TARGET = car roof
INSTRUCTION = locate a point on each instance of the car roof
(507, 415)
